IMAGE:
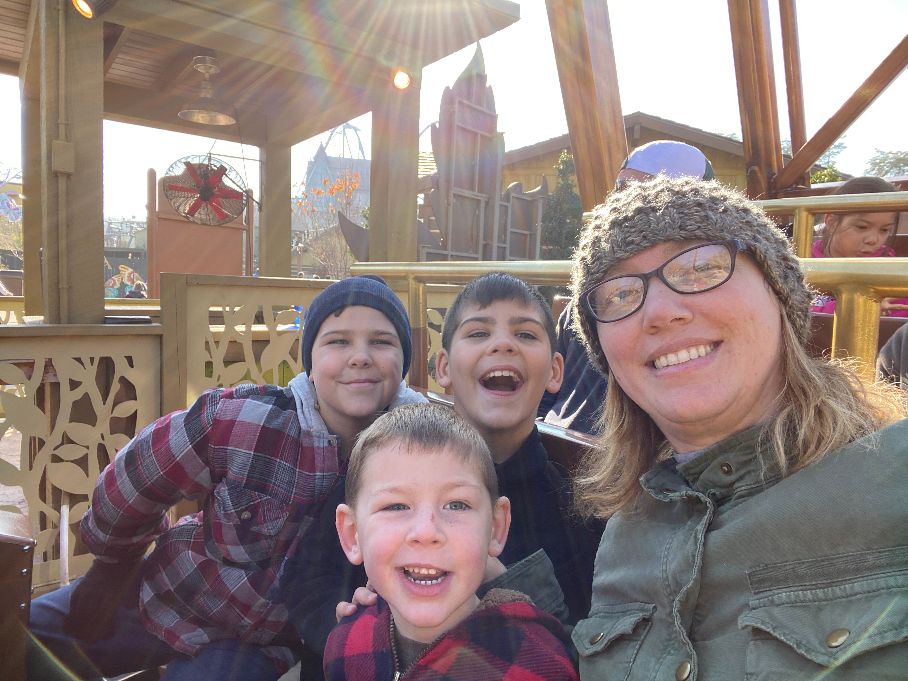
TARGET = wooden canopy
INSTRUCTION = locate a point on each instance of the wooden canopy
(290, 69)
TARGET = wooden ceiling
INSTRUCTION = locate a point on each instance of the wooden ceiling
(291, 68)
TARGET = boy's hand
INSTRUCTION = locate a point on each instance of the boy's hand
(96, 597)
(362, 596)
(494, 568)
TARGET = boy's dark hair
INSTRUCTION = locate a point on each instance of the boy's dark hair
(422, 428)
(490, 288)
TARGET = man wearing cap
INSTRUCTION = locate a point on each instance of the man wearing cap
(579, 402)
(263, 463)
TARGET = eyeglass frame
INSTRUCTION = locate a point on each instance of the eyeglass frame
(734, 247)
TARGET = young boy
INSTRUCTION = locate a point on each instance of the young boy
(263, 461)
(498, 359)
(423, 515)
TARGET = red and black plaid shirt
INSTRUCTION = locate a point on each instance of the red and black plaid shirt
(260, 475)
(506, 637)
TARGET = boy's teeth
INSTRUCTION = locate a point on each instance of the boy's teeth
(684, 355)
(424, 576)
(501, 372)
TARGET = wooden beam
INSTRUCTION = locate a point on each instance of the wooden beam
(395, 152)
(881, 78)
(585, 57)
(304, 116)
(792, 56)
(212, 28)
(113, 43)
(752, 51)
(274, 225)
(131, 105)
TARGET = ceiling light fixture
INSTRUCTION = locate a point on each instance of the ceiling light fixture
(401, 79)
(92, 8)
(206, 108)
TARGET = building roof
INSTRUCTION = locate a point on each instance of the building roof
(671, 129)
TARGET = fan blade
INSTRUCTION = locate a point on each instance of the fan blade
(193, 173)
(225, 192)
(214, 179)
(219, 212)
(194, 207)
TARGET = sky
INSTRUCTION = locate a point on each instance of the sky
(674, 61)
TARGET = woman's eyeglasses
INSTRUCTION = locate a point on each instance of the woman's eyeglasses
(694, 270)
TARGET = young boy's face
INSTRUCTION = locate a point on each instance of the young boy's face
(499, 364)
(357, 362)
(424, 526)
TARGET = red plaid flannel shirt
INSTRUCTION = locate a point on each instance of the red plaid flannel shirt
(506, 637)
(260, 475)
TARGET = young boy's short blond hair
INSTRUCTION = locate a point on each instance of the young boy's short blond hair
(422, 428)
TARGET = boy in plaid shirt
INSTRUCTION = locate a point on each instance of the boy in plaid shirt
(424, 517)
(263, 462)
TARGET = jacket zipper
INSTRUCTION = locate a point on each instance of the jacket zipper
(397, 672)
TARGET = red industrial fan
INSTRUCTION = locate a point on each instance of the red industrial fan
(205, 190)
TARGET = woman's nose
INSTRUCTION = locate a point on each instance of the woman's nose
(663, 306)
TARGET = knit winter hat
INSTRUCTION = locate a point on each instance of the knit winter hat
(368, 290)
(671, 158)
(682, 209)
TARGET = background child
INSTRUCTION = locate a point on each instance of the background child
(262, 461)
(859, 235)
(423, 516)
(498, 359)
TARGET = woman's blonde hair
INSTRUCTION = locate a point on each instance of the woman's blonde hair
(824, 405)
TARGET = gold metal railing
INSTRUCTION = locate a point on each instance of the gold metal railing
(857, 283)
(805, 209)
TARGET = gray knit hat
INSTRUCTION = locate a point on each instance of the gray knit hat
(682, 209)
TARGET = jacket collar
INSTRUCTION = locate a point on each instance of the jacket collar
(742, 462)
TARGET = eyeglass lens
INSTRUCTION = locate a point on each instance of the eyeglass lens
(692, 271)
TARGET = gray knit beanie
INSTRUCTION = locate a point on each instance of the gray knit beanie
(682, 209)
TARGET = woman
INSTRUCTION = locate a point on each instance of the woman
(758, 524)
(859, 235)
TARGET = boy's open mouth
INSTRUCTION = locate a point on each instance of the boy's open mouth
(424, 576)
(502, 380)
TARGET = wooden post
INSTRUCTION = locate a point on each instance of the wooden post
(274, 225)
(752, 52)
(791, 54)
(881, 78)
(392, 196)
(66, 56)
(585, 57)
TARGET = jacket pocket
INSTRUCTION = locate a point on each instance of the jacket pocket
(242, 526)
(853, 627)
(608, 641)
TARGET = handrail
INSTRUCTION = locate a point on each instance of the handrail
(804, 208)
(857, 283)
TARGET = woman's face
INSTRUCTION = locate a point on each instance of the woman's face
(858, 235)
(705, 365)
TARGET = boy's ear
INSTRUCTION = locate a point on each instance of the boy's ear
(345, 522)
(554, 385)
(501, 523)
(442, 369)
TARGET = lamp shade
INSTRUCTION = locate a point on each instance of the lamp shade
(206, 108)
(91, 9)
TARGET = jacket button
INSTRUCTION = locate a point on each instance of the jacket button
(837, 637)
(682, 671)
(595, 638)
(726, 469)
(245, 515)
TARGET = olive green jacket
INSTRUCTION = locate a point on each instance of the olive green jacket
(729, 572)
